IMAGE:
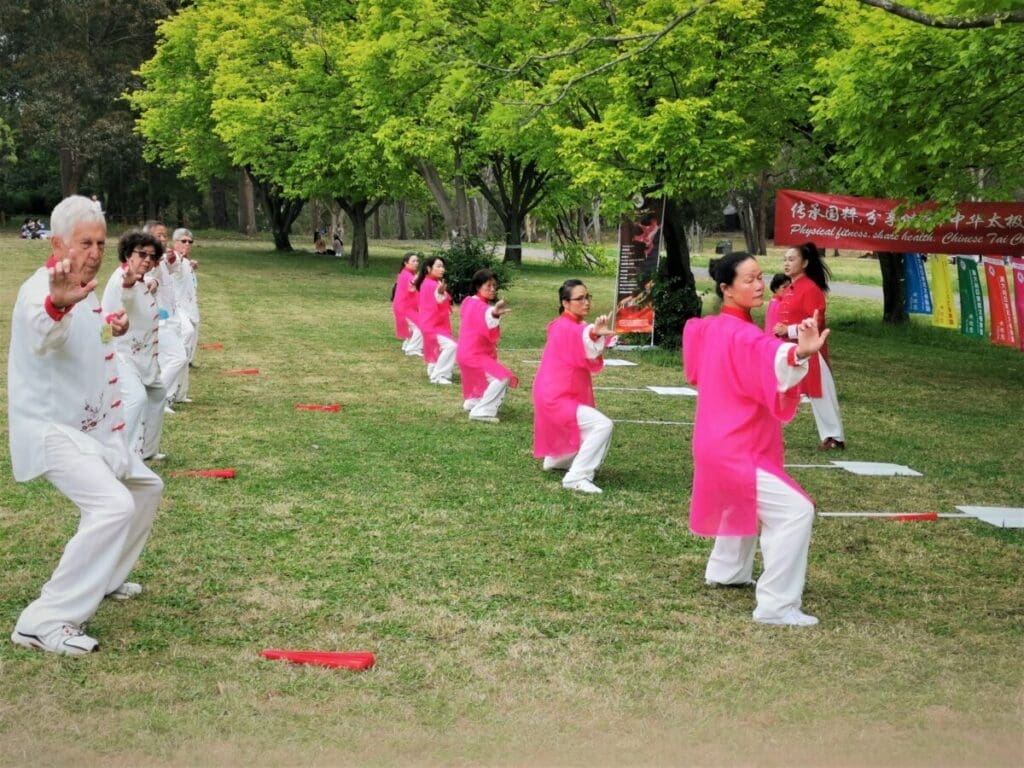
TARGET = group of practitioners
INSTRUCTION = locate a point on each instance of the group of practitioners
(89, 382)
(751, 382)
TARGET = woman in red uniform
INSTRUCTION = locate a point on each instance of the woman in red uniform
(806, 295)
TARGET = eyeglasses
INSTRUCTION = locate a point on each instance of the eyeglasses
(586, 297)
(186, 241)
(147, 255)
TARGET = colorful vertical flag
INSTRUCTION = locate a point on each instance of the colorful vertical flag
(942, 293)
(1017, 265)
(917, 297)
(999, 303)
(972, 307)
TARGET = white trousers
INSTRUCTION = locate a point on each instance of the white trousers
(115, 519)
(414, 344)
(445, 364)
(172, 356)
(826, 407)
(143, 410)
(492, 398)
(786, 517)
(189, 341)
(595, 437)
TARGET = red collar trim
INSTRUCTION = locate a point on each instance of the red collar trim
(52, 261)
(737, 312)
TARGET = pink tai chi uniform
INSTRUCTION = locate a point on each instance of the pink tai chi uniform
(439, 345)
(772, 315)
(405, 307)
(568, 432)
(801, 299)
(747, 383)
(485, 381)
(67, 425)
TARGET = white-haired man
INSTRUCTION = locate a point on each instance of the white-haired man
(173, 358)
(66, 425)
(185, 293)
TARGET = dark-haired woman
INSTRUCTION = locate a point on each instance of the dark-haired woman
(138, 367)
(747, 381)
(485, 381)
(435, 309)
(804, 297)
(568, 432)
(405, 306)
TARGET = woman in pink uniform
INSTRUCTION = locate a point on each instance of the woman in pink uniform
(568, 432)
(805, 297)
(405, 306)
(747, 382)
(485, 381)
(435, 309)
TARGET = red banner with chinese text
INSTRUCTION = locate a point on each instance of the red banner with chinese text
(869, 224)
(1001, 330)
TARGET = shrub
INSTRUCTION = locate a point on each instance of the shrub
(464, 258)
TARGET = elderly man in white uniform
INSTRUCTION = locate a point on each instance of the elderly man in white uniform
(173, 358)
(66, 424)
(185, 293)
(138, 363)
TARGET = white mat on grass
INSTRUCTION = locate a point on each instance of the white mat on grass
(876, 468)
(675, 391)
(1002, 517)
(617, 361)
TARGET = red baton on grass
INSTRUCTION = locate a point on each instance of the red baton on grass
(335, 659)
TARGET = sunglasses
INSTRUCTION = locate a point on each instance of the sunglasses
(185, 240)
(147, 255)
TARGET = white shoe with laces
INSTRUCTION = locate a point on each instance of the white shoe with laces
(583, 486)
(126, 591)
(68, 639)
(793, 617)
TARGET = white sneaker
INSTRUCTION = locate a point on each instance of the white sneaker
(156, 457)
(414, 353)
(487, 419)
(730, 584)
(126, 591)
(184, 400)
(68, 639)
(794, 617)
(583, 486)
(469, 405)
(550, 465)
(445, 382)
(169, 410)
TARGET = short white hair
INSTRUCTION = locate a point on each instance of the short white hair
(72, 211)
(181, 232)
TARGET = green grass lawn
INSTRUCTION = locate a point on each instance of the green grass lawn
(513, 622)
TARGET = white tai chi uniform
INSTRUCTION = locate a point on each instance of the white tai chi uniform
(66, 424)
(138, 365)
(186, 295)
(173, 357)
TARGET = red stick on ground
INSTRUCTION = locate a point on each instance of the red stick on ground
(920, 517)
(226, 474)
(244, 372)
(212, 345)
(336, 659)
(333, 408)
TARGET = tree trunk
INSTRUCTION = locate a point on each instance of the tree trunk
(437, 190)
(400, 216)
(359, 213)
(376, 225)
(894, 288)
(675, 294)
(428, 224)
(246, 204)
(70, 172)
(596, 208)
(218, 204)
(281, 211)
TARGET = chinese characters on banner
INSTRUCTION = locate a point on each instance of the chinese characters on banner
(869, 224)
(1017, 267)
(639, 249)
(1002, 330)
(972, 306)
(918, 299)
(942, 289)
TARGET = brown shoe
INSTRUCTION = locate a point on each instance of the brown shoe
(831, 444)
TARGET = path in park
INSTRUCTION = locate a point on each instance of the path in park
(846, 290)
